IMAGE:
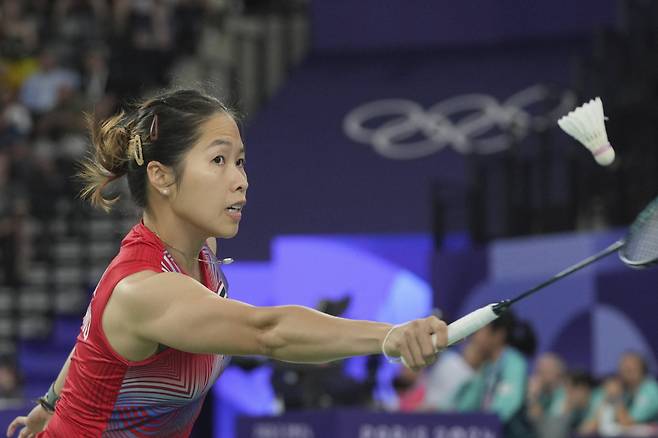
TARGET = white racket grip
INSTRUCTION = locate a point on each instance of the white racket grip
(469, 324)
(466, 325)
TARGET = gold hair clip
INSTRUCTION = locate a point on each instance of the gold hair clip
(153, 132)
(135, 147)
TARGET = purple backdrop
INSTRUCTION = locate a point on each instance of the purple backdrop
(307, 176)
(372, 24)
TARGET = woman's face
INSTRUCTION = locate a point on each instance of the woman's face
(213, 186)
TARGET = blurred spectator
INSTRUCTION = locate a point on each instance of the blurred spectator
(143, 43)
(66, 117)
(41, 90)
(18, 30)
(190, 15)
(16, 63)
(451, 370)
(98, 52)
(10, 384)
(568, 412)
(603, 421)
(410, 387)
(627, 400)
(499, 385)
(577, 406)
(640, 391)
(15, 119)
(546, 388)
(96, 74)
(13, 210)
(147, 23)
(76, 22)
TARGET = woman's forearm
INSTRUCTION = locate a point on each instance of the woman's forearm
(61, 378)
(300, 334)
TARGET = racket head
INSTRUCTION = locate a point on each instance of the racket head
(641, 244)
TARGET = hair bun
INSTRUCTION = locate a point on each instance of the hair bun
(110, 140)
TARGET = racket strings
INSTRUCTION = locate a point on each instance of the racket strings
(642, 240)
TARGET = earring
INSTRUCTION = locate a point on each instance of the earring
(165, 192)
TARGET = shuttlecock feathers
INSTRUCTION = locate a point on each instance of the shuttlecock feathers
(586, 124)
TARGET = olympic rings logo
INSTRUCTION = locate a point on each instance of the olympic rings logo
(402, 129)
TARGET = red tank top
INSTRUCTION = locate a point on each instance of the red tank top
(109, 396)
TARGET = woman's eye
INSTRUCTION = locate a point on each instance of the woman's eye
(241, 162)
(219, 159)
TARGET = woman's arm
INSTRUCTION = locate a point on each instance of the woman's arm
(175, 310)
(61, 377)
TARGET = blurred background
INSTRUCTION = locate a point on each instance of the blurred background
(404, 159)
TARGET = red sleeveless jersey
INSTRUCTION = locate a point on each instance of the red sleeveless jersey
(106, 395)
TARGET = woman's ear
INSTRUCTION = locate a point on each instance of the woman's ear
(161, 177)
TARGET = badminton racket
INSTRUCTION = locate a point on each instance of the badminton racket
(638, 249)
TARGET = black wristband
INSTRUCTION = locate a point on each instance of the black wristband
(47, 406)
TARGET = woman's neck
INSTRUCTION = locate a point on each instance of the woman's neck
(182, 242)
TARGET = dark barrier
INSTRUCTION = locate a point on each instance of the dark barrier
(364, 424)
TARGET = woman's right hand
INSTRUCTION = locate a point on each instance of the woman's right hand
(34, 423)
(413, 341)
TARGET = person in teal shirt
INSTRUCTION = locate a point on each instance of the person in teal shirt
(499, 385)
(578, 401)
(640, 396)
(630, 398)
(546, 387)
(562, 412)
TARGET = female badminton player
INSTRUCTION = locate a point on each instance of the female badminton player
(159, 328)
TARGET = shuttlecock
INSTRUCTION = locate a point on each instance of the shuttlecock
(586, 124)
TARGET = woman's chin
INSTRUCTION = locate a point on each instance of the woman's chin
(227, 232)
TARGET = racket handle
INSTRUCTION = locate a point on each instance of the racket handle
(468, 324)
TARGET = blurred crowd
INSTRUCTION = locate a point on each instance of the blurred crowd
(60, 59)
(491, 373)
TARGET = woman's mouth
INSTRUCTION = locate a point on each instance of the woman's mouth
(235, 211)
